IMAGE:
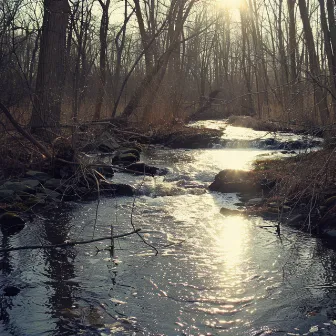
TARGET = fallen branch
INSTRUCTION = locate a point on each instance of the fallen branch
(103, 165)
(43, 247)
(27, 135)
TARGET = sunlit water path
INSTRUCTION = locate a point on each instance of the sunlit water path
(214, 275)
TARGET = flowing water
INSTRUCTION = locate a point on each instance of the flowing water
(214, 275)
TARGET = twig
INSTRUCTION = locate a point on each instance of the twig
(102, 165)
(173, 244)
(28, 136)
(98, 202)
(36, 247)
(133, 226)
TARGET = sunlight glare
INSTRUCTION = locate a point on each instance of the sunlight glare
(232, 241)
(230, 4)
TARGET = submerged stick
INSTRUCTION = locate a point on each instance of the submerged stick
(82, 242)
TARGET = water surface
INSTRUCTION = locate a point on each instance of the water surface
(214, 275)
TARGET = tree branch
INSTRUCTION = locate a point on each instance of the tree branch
(73, 243)
(27, 135)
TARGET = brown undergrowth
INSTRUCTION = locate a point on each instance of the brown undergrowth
(272, 126)
(304, 190)
(301, 178)
(18, 155)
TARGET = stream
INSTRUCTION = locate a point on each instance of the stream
(214, 275)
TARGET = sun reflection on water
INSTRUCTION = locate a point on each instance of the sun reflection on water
(232, 241)
(228, 159)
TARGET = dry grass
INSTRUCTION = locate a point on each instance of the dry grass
(17, 156)
(256, 124)
(305, 178)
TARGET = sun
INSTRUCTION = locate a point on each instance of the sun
(230, 4)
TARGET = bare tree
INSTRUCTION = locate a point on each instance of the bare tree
(50, 77)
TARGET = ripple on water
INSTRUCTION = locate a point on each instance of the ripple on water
(222, 275)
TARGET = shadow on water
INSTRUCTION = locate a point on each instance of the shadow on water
(222, 275)
(60, 270)
(8, 291)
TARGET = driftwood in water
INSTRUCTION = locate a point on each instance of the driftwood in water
(71, 243)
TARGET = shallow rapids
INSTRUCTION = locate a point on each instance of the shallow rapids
(214, 275)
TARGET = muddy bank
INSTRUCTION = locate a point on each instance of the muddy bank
(298, 191)
(87, 173)
(273, 126)
(188, 137)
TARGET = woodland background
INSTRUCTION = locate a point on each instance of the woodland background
(158, 62)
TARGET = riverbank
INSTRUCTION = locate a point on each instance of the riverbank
(273, 126)
(282, 189)
(213, 272)
(84, 172)
(298, 191)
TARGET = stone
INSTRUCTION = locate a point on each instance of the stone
(136, 146)
(133, 151)
(286, 208)
(270, 142)
(17, 187)
(329, 233)
(34, 200)
(6, 195)
(124, 190)
(254, 201)
(327, 225)
(142, 168)
(269, 213)
(31, 183)
(296, 220)
(330, 202)
(125, 158)
(106, 171)
(23, 196)
(52, 194)
(234, 181)
(105, 148)
(291, 145)
(204, 138)
(117, 189)
(11, 291)
(108, 143)
(88, 148)
(53, 184)
(38, 175)
(11, 223)
(275, 210)
(230, 212)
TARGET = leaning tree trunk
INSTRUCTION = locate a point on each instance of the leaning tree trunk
(50, 75)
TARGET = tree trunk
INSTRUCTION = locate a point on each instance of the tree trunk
(292, 39)
(50, 75)
(244, 61)
(320, 95)
(102, 61)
